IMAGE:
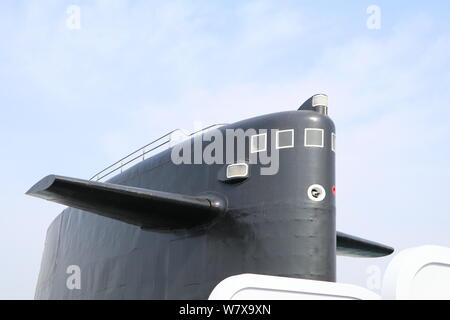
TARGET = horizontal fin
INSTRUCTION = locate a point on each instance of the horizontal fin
(149, 209)
(347, 245)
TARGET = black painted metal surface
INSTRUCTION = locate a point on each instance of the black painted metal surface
(265, 224)
(348, 245)
(169, 211)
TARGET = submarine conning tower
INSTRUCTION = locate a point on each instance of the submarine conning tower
(314, 218)
(177, 223)
(286, 218)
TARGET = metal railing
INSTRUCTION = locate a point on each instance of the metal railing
(139, 154)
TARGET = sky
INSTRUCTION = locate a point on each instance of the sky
(77, 94)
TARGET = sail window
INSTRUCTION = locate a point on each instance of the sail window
(258, 143)
(314, 137)
(285, 139)
(333, 142)
(237, 170)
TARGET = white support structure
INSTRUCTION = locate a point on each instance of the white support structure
(416, 273)
(260, 287)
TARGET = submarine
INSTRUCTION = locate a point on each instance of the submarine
(255, 196)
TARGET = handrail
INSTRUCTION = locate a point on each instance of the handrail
(141, 152)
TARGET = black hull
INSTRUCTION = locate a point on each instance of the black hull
(271, 228)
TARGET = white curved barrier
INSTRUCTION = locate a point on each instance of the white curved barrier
(416, 273)
(260, 287)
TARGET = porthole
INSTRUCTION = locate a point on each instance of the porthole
(316, 192)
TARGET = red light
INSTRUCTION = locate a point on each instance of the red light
(333, 189)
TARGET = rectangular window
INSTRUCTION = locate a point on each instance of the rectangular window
(237, 170)
(285, 139)
(333, 142)
(314, 137)
(258, 143)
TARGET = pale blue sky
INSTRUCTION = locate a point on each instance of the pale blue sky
(72, 101)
